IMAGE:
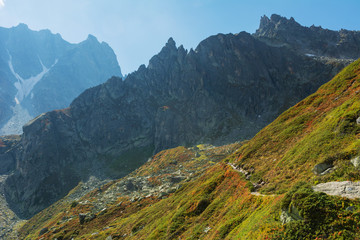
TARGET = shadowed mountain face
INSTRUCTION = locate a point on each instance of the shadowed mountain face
(40, 72)
(226, 90)
(275, 186)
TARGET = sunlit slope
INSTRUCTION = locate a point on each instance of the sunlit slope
(322, 128)
(219, 204)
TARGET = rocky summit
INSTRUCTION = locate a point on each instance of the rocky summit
(40, 72)
(279, 31)
(225, 90)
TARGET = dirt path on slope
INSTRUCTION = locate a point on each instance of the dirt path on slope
(247, 175)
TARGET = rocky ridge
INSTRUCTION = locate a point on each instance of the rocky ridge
(218, 204)
(280, 31)
(225, 90)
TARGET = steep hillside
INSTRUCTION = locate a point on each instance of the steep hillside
(41, 72)
(315, 141)
(323, 130)
(225, 90)
(162, 175)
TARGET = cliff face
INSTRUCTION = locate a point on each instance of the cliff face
(298, 178)
(227, 89)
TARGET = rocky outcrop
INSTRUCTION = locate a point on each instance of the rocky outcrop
(322, 168)
(346, 189)
(40, 72)
(227, 89)
(355, 161)
(159, 178)
(7, 159)
(281, 31)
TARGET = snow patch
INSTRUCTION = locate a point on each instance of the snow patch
(310, 55)
(25, 86)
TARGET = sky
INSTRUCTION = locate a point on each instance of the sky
(138, 29)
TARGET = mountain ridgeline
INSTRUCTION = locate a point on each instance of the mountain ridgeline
(298, 178)
(279, 31)
(225, 90)
(41, 72)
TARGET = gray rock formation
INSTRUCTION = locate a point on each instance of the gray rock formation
(7, 159)
(289, 216)
(322, 168)
(280, 31)
(40, 72)
(346, 189)
(355, 161)
(225, 90)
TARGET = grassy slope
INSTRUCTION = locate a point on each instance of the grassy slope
(62, 219)
(215, 206)
(321, 128)
(219, 205)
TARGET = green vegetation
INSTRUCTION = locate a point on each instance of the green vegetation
(323, 216)
(118, 168)
(217, 202)
(313, 131)
(74, 204)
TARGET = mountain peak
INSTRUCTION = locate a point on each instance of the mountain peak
(276, 18)
(264, 21)
(92, 38)
(171, 43)
(168, 51)
(22, 26)
(275, 23)
(313, 40)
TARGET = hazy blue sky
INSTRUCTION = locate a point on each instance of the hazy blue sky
(137, 29)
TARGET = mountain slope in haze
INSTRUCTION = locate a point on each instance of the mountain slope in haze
(41, 72)
(225, 90)
(324, 128)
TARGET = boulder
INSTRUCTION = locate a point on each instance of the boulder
(43, 231)
(346, 189)
(355, 161)
(288, 216)
(322, 168)
(86, 217)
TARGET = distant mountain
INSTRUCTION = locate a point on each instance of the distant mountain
(279, 31)
(225, 90)
(41, 72)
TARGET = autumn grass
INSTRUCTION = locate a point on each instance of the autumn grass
(217, 203)
(321, 127)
